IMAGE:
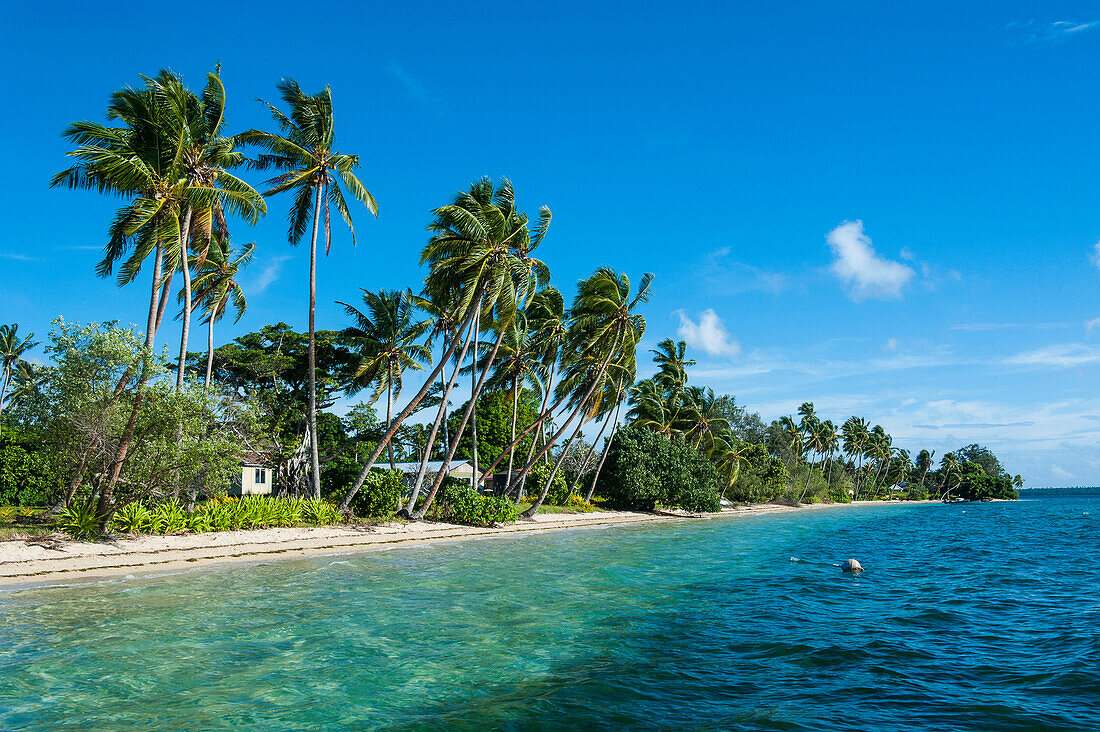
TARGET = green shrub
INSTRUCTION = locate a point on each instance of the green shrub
(460, 503)
(27, 475)
(559, 489)
(644, 468)
(319, 512)
(80, 520)
(379, 497)
(169, 518)
(133, 518)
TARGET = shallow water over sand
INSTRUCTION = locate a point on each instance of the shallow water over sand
(984, 616)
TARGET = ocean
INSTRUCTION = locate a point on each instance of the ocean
(981, 616)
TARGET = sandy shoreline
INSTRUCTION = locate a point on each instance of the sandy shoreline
(27, 563)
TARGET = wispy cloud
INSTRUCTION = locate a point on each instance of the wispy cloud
(1091, 324)
(417, 89)
(267, 276)
(1057, 356)
(1040, 33)
(863, 272)
(709, 334)
(725, 275)
(17, 257)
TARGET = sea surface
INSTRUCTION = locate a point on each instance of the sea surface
(969, 617)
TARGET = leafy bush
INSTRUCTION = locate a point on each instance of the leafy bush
(319, 512)
(28, 477)
(80, 520)
(169, 518)
(133, 518)
(379, 497)
(459, 502)
(644, 468)
(763, 481)
(560, 491)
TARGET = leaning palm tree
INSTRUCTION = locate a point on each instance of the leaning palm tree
(215, 286)
(12, 348)
(25, 382)
(387, 337)
(313, 170)
(604, 328)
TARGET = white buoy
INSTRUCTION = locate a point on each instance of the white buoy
(852, 565)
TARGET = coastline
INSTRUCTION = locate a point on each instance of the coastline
(26, 564)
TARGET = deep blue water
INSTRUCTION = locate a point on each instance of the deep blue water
(979, 617)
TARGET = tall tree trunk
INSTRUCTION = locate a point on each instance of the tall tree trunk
(530, 512)
(418, 515)
(534, 438)
(314, 455)
(592, 451)
(209, 353)
(473, 399)
(3, 391)
(606, 449)
(389, 410)
(440, 416)
(185, 266)
(512, 448)
(409, 409)
(165, 291)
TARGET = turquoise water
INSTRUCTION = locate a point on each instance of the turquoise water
(984, 616)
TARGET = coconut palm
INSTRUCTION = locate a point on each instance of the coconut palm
(604, 330)
(650, 409)
(203, 158)
(480, 262)
(215, 286)
(949, 463)
(700, 420)
(388, 340)
(924, 464)
(313, 170)
(12, 348)
(672, 364)
(25, 381)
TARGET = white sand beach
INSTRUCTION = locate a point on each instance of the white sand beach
(39, 561)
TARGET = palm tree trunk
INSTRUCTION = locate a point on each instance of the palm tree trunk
(185, 265)
(209, 353)
(418, 515)
(409, 408)
(4, 390)
(165, 291)
(530, 512)
(440, 415)
(389, 410)
(314, 454)
(155, 299)
(592, 452)
(512, 449)
(537, 435)
(473, 397)
(603, 457)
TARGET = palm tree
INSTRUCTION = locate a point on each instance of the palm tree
(481, 248)
(672, 364)
(649, 408)
(924, 464)
(855, 432)
(203, 159)
(949, 463)
(313, 170)
(12, 348)
(701, 421)
(25, 381)
(387, 337)
(603, 330)
(1017, 482)
(215, 286)
(479, 259)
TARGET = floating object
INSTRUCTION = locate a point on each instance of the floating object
(852, 565)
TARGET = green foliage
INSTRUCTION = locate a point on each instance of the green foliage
(460, 503)
(494, 424)
(80, 520)
(28, 476)
(560, 491)
(133, 518)
(644, 468)
(319, 512)
(763, 479)
(379, 497)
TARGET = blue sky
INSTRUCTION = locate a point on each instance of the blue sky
(889, 209)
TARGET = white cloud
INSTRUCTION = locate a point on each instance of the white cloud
(1034, 32)
(864, 273)
(267, 275)
(709, 334)
(1090, 324)
(1064, 474)
(1094, 256)
(1059, 356)
(891, 344)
